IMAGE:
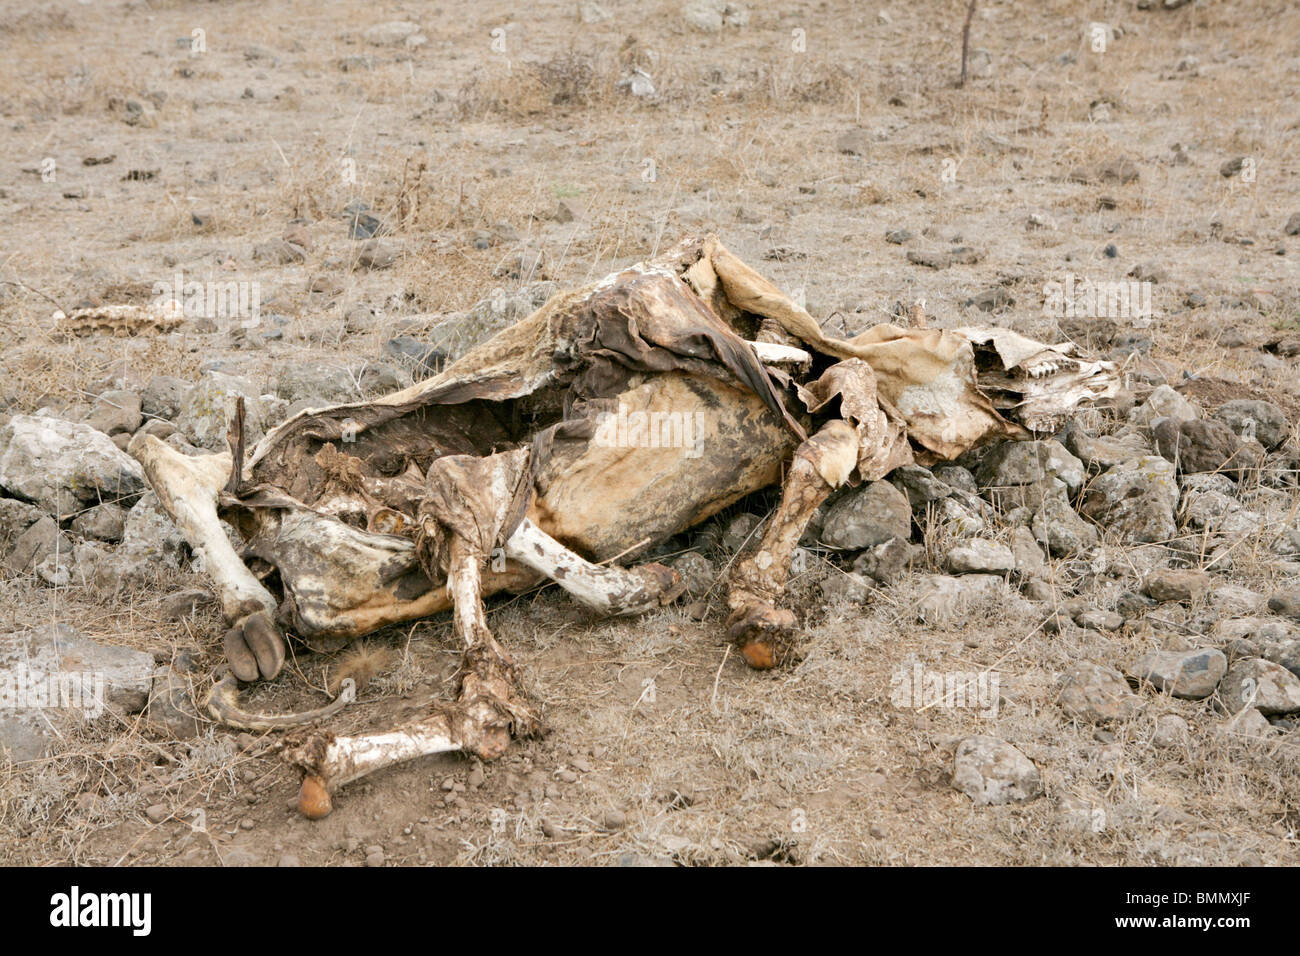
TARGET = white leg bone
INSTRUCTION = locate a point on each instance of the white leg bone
(489, 707)
(187, 488)
(610, 590)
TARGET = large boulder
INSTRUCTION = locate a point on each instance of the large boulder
(63, 466)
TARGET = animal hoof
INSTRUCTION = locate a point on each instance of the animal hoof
(764, 635)
(254, 650)
(313, 799)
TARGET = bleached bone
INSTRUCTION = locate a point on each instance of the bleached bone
(610, 590)
(489, 709)
(187, 489)
(770, 353)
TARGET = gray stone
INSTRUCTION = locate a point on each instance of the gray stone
(280, 252)
(1270, 688)
(1235, 599)
(1030, 562)
(115, 412)
(391, 33)
(1062, 531)
(703, 15)
(941, 598)
(743, 531)
(1096, 619)
(1098, 454)
(1176, 584)
(981, 556)
(1189, 674)
(1261, 421)
(149, 535)
(1205, 445)
(184, 604)
(117, 677)
(1029, 463)
(15, 518)
(163, 396)
(1096, 694)
(1170, 731)
(886, 563)
(171, 709)
(868, 516)
(846, 587)
(298, 381)
(62, 465)
(39, 542)
(104, 522)
(992, 772)
(1164, 402)
(697, 571)
(1135, 500)
(957, 518)
(209, 408)
(957, 477)
(919, 484)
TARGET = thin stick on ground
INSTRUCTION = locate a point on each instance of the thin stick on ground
(965, 40)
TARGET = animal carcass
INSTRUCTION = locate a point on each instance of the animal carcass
(564, 447)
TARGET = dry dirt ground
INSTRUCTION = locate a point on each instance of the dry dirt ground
(513, 111)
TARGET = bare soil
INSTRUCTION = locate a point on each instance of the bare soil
(663, 746)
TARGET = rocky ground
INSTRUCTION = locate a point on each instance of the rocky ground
(1079, 649)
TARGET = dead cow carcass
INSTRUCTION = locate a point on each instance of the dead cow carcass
(614, 417)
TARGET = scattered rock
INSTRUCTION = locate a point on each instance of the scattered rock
(392, 33)
(1270, 688)
(115, 412)
(1255, 420)
(855, 142)
(104, 522)
(163, 396)
(1062, 531)
(1135, 500)
(1097, 694)
(886, 563)
(111, 676)
(1030, 562)
(981, 556)
(1177, 584)
(992, 772)
(1095, 619)
(697, 571)
(209, 408)
(183, 604)
(1203, 446)
(846, 587)
(171, 709)
(279, 252)
(35, 545)
(867, 517)
(1188, 674)
(941, 598)
(62, 465)
(743, 531)
(1044, 466)
(1164, 402)
(329, 384)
